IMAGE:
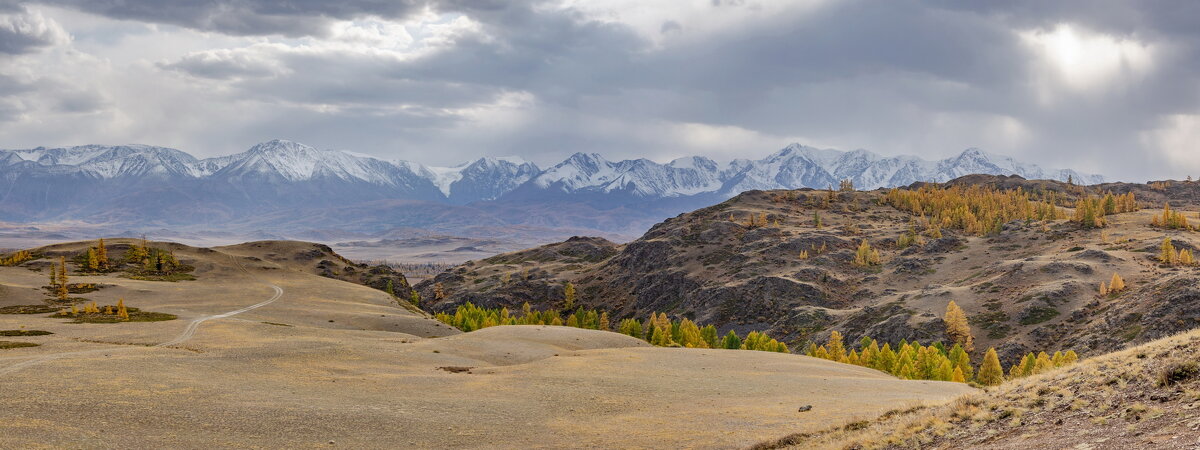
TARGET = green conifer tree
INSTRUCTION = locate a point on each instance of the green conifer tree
(731, 341)
(945, 371)
(709, 335)
(961, 361)
(821, 351)
(990, 373)
(1042, 363)
(659, 338)
(887, 359)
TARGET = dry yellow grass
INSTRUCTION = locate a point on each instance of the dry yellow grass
(333, 361)
(1119, 400)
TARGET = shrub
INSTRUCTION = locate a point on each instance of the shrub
(1178, 372)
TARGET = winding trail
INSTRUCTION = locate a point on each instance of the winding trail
(195, 324)
(187, 333)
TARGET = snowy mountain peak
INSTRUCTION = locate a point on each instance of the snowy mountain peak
(283, 166)
(586, 160)
(486, 178)
(292, 162)
(694, 162)
(974, 152)
(579, 171)
(108, 161)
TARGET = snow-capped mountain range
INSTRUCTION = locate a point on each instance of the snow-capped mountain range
(147, 183)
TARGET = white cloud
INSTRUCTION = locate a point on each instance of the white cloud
(1178, 139)
(26, 31)
(681, 21)
(1085, 60)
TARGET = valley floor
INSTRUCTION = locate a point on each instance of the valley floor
(333, 363)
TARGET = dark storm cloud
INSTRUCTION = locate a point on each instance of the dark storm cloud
(22, 32)
(245, 17)
(927, 77)
(222, 65)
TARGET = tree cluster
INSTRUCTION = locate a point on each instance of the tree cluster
(1090, 211)
(910, 361)
(1115, 286)
(1171, 219)
(913, 361)
(755, 220)
(119, 310)
(658, 329)
(16, 258)
(1034, 364)
(973, 209)
(96, 258)
(661, 331)
(468, 317)
(58, 279)
(1169, 256)
(865, 256)
(913, 237)
(152, 261)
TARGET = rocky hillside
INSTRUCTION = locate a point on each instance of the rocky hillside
(1034, 286)
(1142, 397)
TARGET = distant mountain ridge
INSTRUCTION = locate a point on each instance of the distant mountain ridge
(283, 180)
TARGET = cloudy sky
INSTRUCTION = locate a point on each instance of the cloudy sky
(1108, 86)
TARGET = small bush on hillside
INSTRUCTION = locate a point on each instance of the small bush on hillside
(1178, 372)
(24, 333)
(27, 309)
(12, 344)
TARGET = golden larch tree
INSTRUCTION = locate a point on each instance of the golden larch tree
(1167, 255)
(569, 295)
(958, 329)
(1186, 258)
(101, 255)
(63, 291)
(865, 256)
(958, 376)
(1117, 284)
(836, 348)
(122, 311)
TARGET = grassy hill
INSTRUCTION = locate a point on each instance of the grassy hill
(271, 347)
(1032, 286)
(1142, 397)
